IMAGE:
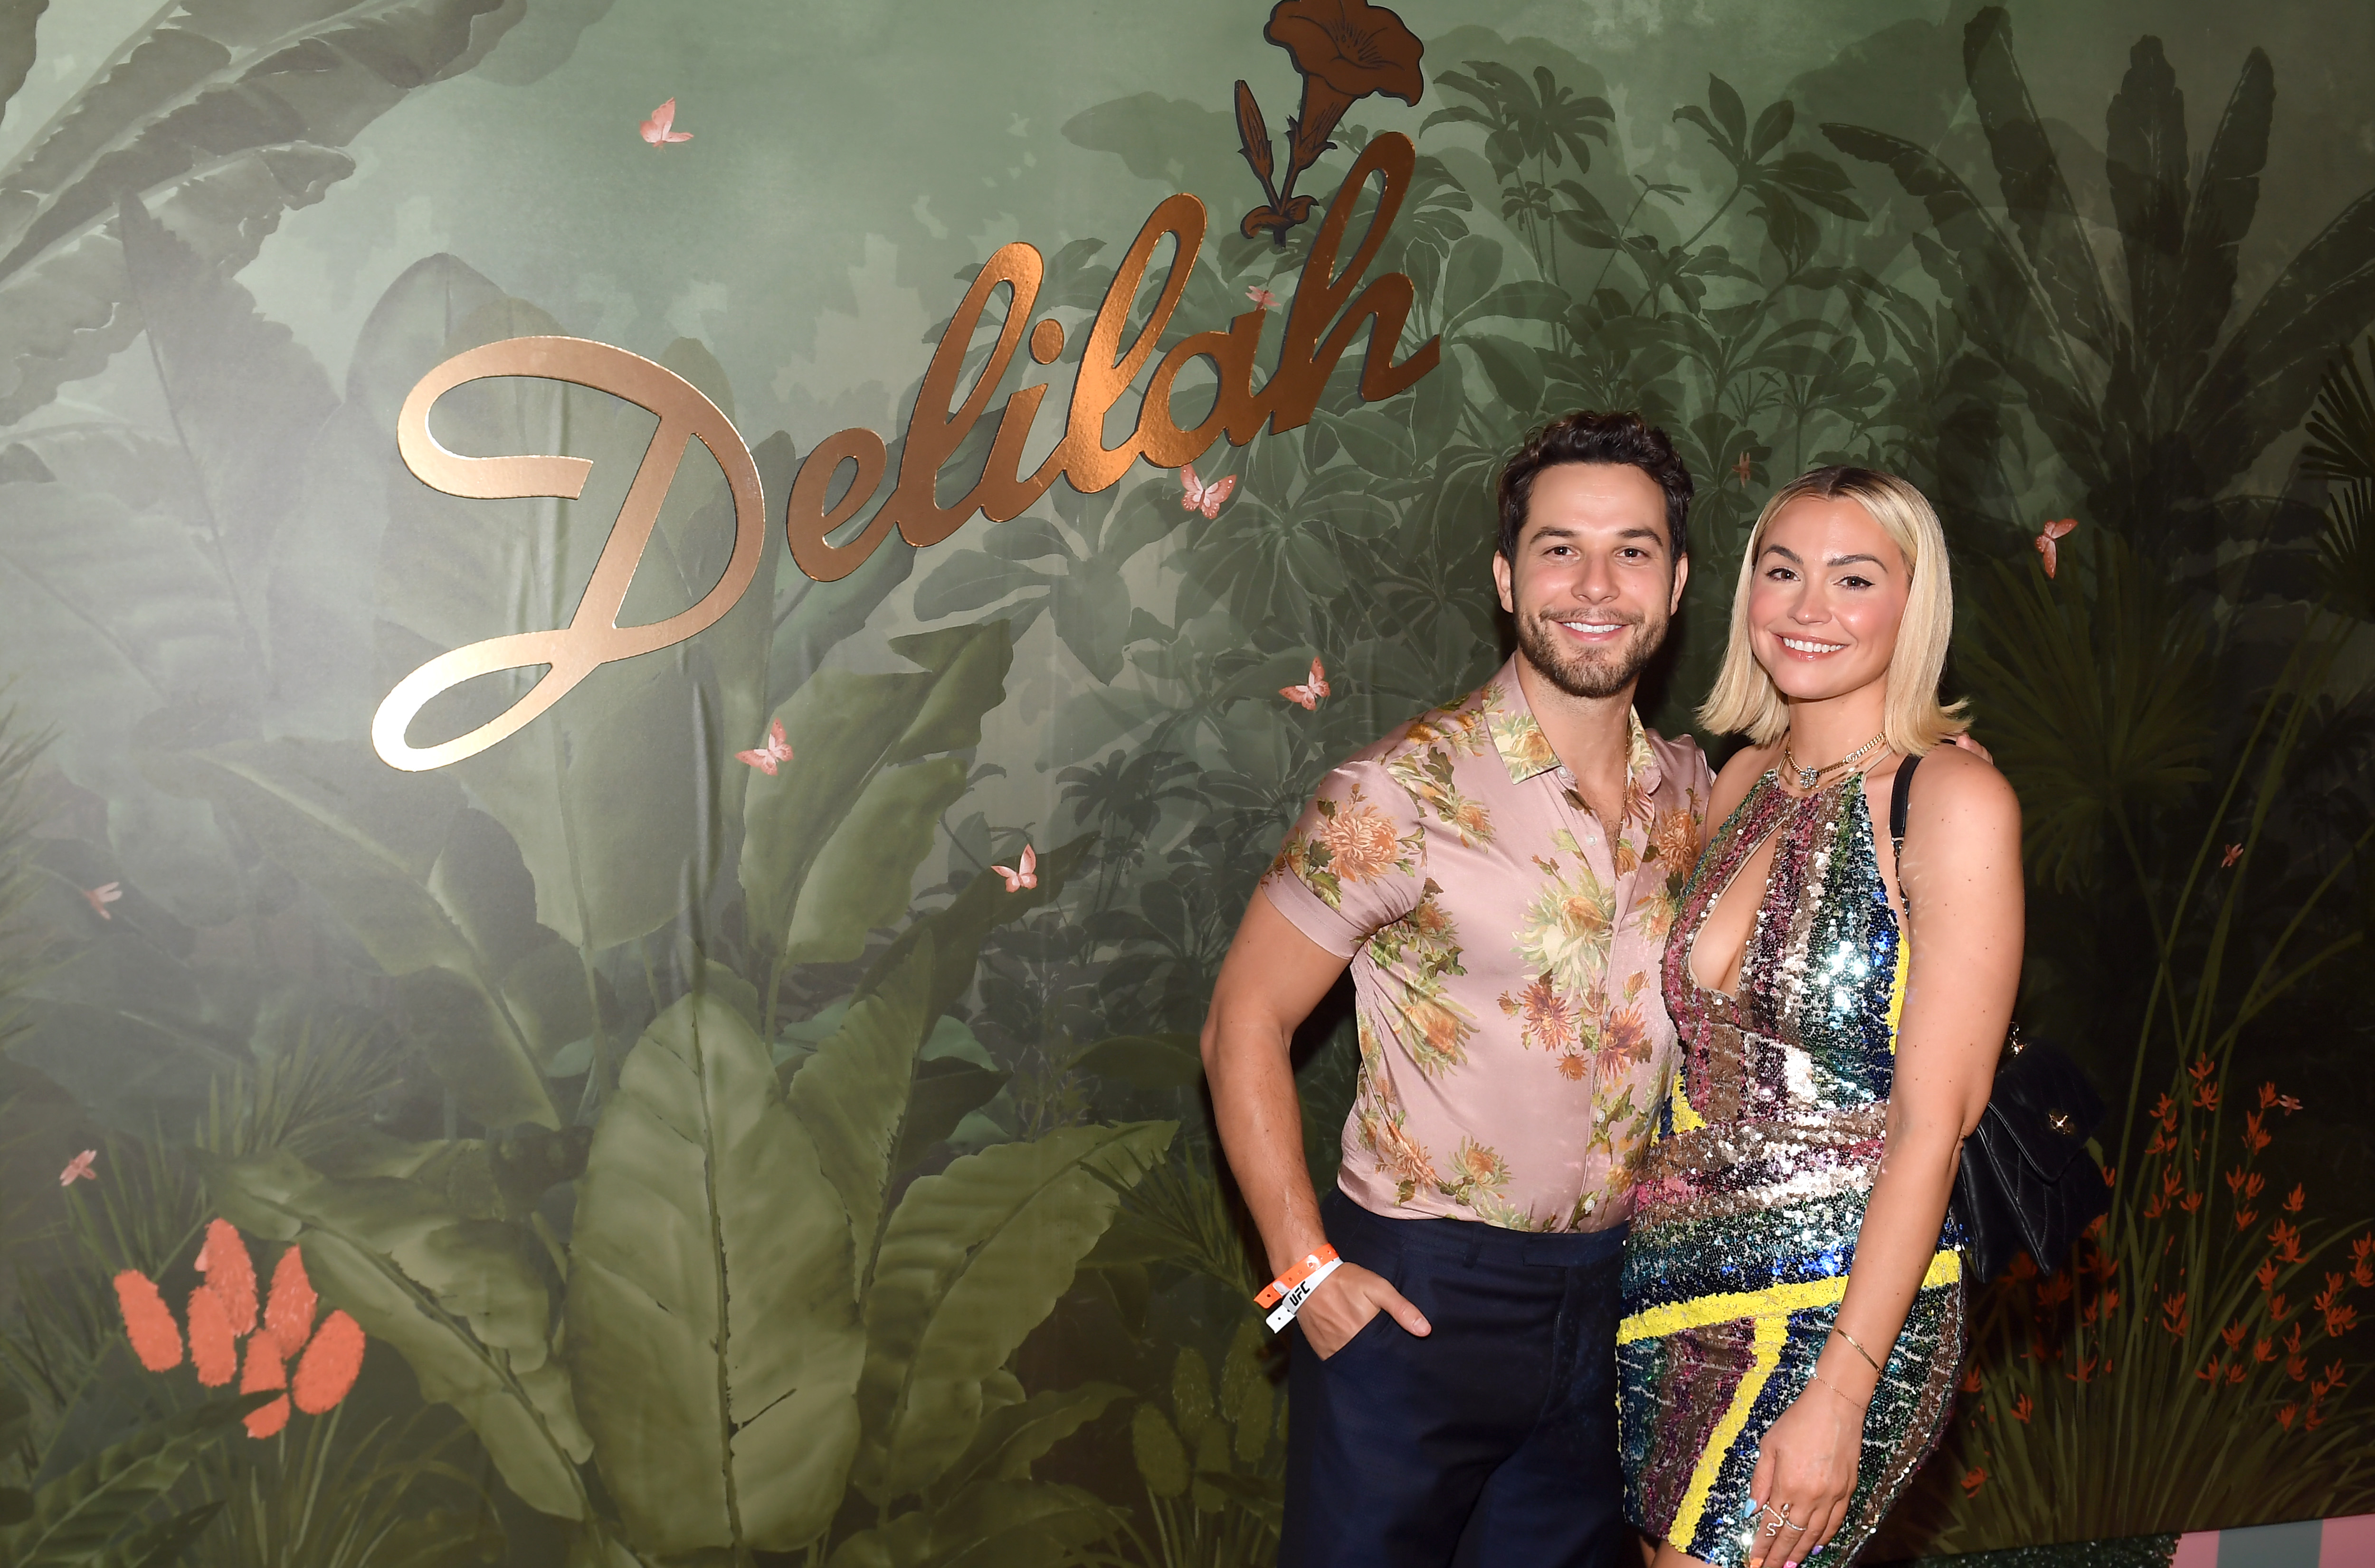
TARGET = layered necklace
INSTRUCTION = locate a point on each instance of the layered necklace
(1810, 779)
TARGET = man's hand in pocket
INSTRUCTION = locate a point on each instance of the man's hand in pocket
(1345, 1303)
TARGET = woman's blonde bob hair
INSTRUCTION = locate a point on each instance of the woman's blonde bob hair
(1744, 700)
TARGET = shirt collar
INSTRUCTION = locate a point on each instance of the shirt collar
(1526, 750)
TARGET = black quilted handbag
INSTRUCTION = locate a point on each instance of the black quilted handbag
(2026, 1183)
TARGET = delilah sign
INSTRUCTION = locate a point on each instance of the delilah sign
(1329, 310)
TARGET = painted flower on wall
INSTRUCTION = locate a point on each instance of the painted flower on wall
(1346, 49)
(223, 1311)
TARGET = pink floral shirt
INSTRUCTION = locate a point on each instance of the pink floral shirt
(1504, 961)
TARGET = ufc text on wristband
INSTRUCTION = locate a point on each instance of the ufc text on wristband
(1287, 1293)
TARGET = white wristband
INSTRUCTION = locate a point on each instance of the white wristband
(1284, 1313)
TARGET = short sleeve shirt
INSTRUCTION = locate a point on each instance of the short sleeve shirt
(1505, 947)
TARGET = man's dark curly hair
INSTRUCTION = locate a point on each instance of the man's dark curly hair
(1585, 436)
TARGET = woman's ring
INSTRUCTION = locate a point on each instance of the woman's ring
(1775, 1519)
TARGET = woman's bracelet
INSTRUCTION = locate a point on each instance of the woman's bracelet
(1859, 1347)
(1861, 1404)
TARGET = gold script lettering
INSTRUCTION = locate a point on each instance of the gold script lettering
(1326, 302)
(593, 637)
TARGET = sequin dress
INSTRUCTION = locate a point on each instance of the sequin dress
(1750, 1200)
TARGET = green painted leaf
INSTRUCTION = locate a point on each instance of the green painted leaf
(75, 1516)
(957, 931)
(1247, 1397)
(970, 663)
(945, 1093)
(319, 597)
(863, 875)
(974, 1258)
(992, 1524)
(220, 122)
(462, 1300)
(844, 729)
(161, 1543)
(16, 45)
(245, 399)
(1162, 1457)
(435, 892)
(853, 1095)
(1469, 274)
(1014, 1437)
(717, 1372)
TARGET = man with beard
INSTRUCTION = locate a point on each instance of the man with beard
(1500, 875)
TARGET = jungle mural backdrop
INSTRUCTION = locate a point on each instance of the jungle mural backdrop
(751, 1114)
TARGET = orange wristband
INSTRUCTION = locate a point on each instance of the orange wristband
(1277, 1290)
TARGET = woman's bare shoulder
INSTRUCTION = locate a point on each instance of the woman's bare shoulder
(1959, 800)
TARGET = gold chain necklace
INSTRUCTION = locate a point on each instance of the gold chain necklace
(1809, 777)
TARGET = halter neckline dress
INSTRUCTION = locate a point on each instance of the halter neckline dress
(1750, 1200)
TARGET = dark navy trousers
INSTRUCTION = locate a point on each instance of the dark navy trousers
(1490, 1442)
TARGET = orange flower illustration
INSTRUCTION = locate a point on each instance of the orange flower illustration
(1674, 841)
(1361, 843)
(1544, 1017)
(331, 1363)
(155, 1337)
(289, 1314)
(264, 1371)
(222, 1312)
(230, 1274)
(1624, 1037)
(214, 1348)
(1345, 50)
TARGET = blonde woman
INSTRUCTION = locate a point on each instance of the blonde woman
(1792, 1321)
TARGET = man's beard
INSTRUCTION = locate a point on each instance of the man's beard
(1588, 672)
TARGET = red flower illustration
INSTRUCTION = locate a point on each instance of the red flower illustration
(230, 1274)
(155, 1337)
(264, 1370)
(1345, 50)
(331, 1363)
(214, 1348)
(289, 1314)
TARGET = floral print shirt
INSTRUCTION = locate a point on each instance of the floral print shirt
(1505, 946)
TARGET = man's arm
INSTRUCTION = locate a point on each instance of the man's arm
(1273, 978)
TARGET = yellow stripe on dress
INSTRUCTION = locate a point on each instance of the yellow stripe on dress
(1771, 1334)
(1768, 1312)
(1773, 1301)
(1685, 1118)
(1897, 990)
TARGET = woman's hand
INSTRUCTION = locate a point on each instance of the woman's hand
(1805, 1473)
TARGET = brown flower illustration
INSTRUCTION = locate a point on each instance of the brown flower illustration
(1676, 840)
(1345, 50)
(1361, 843)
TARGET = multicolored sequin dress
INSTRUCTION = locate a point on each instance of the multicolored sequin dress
(1749, 1202)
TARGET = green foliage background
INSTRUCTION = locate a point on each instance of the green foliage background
(726, 1167)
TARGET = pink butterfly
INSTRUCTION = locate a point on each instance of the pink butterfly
(1741, 468)
(1204, 497)
(661, 127)
(79, 1169)
(1262, 297)
(2288, 1102)
(2045, 542)
(1307, 695)
(2234, 852)
(101, 896)
(1023, 876)
(772, 751)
